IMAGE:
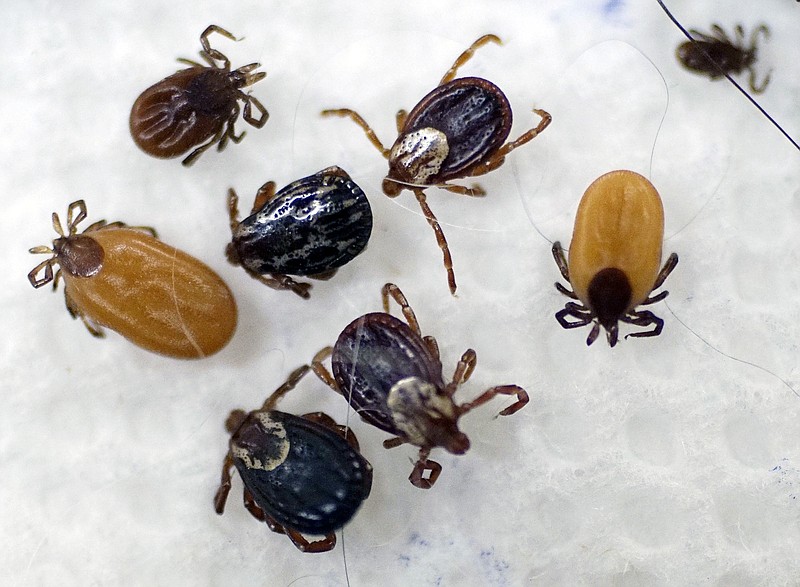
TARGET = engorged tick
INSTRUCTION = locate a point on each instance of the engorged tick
(301, 475)
(196, 108)
(124, 278)
(717, 54)
(392, 377)
(614, 257)
(311, 227)
(458, 130)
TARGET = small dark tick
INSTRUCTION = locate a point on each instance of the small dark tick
(196, 108)
(717, 54)
(392, 377)
(311, 227)
(301, 475)
(458, 130)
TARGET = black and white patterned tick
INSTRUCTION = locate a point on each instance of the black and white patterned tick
(392, 377)
(458, 130)
(311, 228)
(301, 475)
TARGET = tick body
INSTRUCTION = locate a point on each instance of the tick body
(716, 54)
(392, 377)
(125, 279)
(301, 475)
(311, 228)
(614, 257)
(197, 107)
(458, 130)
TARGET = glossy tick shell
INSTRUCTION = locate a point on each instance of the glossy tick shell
(392, 377)
(156, 296)
(301, 474)
(615, 255)
(372, 354)
(195, 108)
(310, 227)
(468, 119)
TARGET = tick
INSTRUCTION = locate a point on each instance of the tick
(458, 130)
(716, 54)
(392, 377)
(311, 227)
(125, 279)
(197, 107)
(614, 257)
(301, 475)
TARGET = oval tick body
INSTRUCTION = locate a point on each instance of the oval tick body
(454, 128)
(197, 107)
(182, 111)
(392, 377)
(156, 296)
(372, 354)
(310, 227)
(620, 225)
(301, 474)
(614, 256)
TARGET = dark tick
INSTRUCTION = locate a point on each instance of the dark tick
(301, 475)
(717, 54)
(458, 130)
(196, 108)
(392, 377)
(311, 227)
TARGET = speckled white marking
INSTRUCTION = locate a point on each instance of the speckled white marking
(415, 404)
(420, 154)
(277, 430)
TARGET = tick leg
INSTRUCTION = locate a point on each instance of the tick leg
(73, 310)
(72, 219)
(758, 89)
(233, 209)
(400, 120)
(644, 318)
(224, 485)
(47, 265)
(391, 289)
(189, 160)
(432, 345)
(322, 372)
(287, 386)
(467, 55)
(226, 64)
(265, 194)
(475, 190)
(255, 511)
(304, 545)
(561, 260)
(325, 420)
(522, 399)
(670, 264)
(464, 369)
(247, 115)
(581, 313)
(394, 442)
(356, 117)
(720, 34)
(423, 465)
(280, 281)
(497, 159)
(440, 240)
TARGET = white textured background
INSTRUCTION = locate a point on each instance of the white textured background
(659, 462)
